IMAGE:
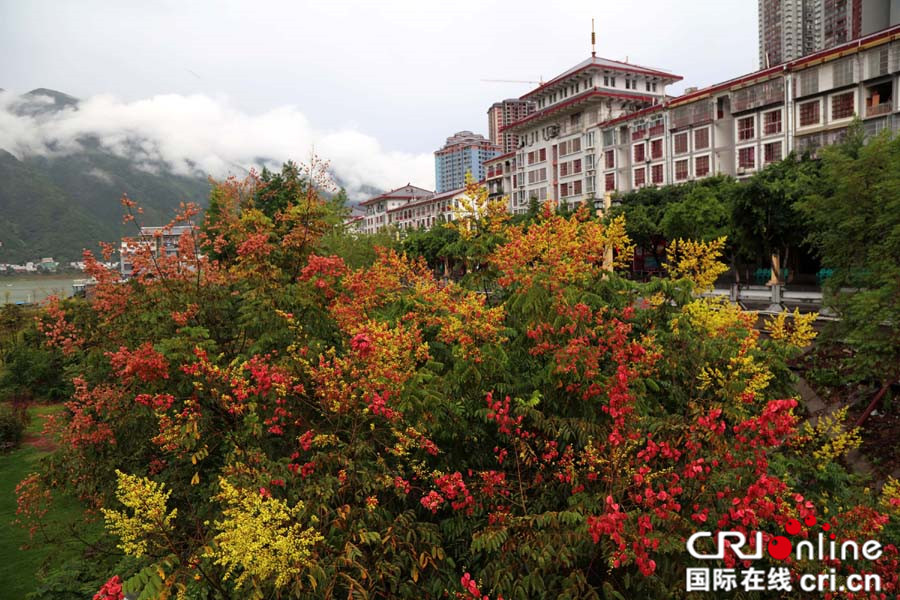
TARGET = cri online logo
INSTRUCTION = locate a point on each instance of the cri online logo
(780, 547)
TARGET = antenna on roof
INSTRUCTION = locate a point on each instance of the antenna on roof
(593, 41)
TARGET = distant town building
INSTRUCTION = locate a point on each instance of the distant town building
(464, 152)
(501, 115)
(792, 29)
(162, 241)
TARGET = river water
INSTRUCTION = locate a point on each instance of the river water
(34, 288)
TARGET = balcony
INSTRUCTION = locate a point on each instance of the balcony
(879, 109)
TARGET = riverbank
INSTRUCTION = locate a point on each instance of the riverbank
(32, 289)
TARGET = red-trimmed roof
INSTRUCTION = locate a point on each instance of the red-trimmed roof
(393, 195)
(586, 95)
(434, 198)
(501, 157)
(891, 32)
(888, 34)
(632, 115)
(604, 63)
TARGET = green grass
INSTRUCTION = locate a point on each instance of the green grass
(20, 569)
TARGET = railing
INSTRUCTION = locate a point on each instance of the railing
(879, 109)
(776, 296)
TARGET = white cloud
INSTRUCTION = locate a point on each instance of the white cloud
(199, 134)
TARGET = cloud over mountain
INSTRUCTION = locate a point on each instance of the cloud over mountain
(199, 135)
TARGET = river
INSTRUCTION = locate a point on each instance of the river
(34, 288)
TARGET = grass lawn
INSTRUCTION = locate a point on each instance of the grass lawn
(19, 568)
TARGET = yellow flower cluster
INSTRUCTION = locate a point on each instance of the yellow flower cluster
(829, 434)
(150, 521)
(717, 318)
(696, 261)
(890, 497)
(798, 333)
(476, 211)
(260, 536)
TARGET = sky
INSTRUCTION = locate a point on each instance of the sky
(375, 87)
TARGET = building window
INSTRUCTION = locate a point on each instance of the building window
(842, 106)
(656, 173)
(747, 158)
(809, 113)
(575, 145)
(577, 186)
(639, 152)
(701, 139)
(543, 154)
(772, 122)
(576, 166)
(656, 148)
(609, 159)
(589, 162)
(640, 177)
(681, 143)
(609, 182)
(701, 166)
(681, 170)
(771, 152)
(746, 128)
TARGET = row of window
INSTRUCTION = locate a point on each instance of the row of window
(570, 146)
(701, 140)
(570, 168)
(843, 106)
(772, 152)
(640, 150)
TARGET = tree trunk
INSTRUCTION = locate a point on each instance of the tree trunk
(776, 269)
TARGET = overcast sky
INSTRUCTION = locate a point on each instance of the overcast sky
(398, 76)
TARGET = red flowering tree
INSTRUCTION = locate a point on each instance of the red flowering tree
(258, 419)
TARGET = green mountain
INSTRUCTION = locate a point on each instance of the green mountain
(59, 205)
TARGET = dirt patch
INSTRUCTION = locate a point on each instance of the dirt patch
(822, 368)
(39, 442)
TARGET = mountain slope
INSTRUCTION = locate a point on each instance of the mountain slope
(58, 205)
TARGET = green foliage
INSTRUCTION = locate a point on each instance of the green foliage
(854, 224)
(12, 427)
(764, 217)
(81, 190)
(547, 426)
(32, 370)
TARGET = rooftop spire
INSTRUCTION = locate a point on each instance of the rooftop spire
(593, 41)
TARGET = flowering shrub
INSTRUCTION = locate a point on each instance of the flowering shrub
(325, 431)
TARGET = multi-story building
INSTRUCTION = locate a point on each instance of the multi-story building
(739, 126)
(791, 29)
(502, 114)
(427, 212)
(377, 209)
(605, 126)
(464, 152)
(499, 174)
(558, 144)
(162, 241)
(408, 207)
(584, 142)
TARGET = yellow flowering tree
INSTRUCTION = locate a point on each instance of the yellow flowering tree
(146, 528)
(260, 537)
